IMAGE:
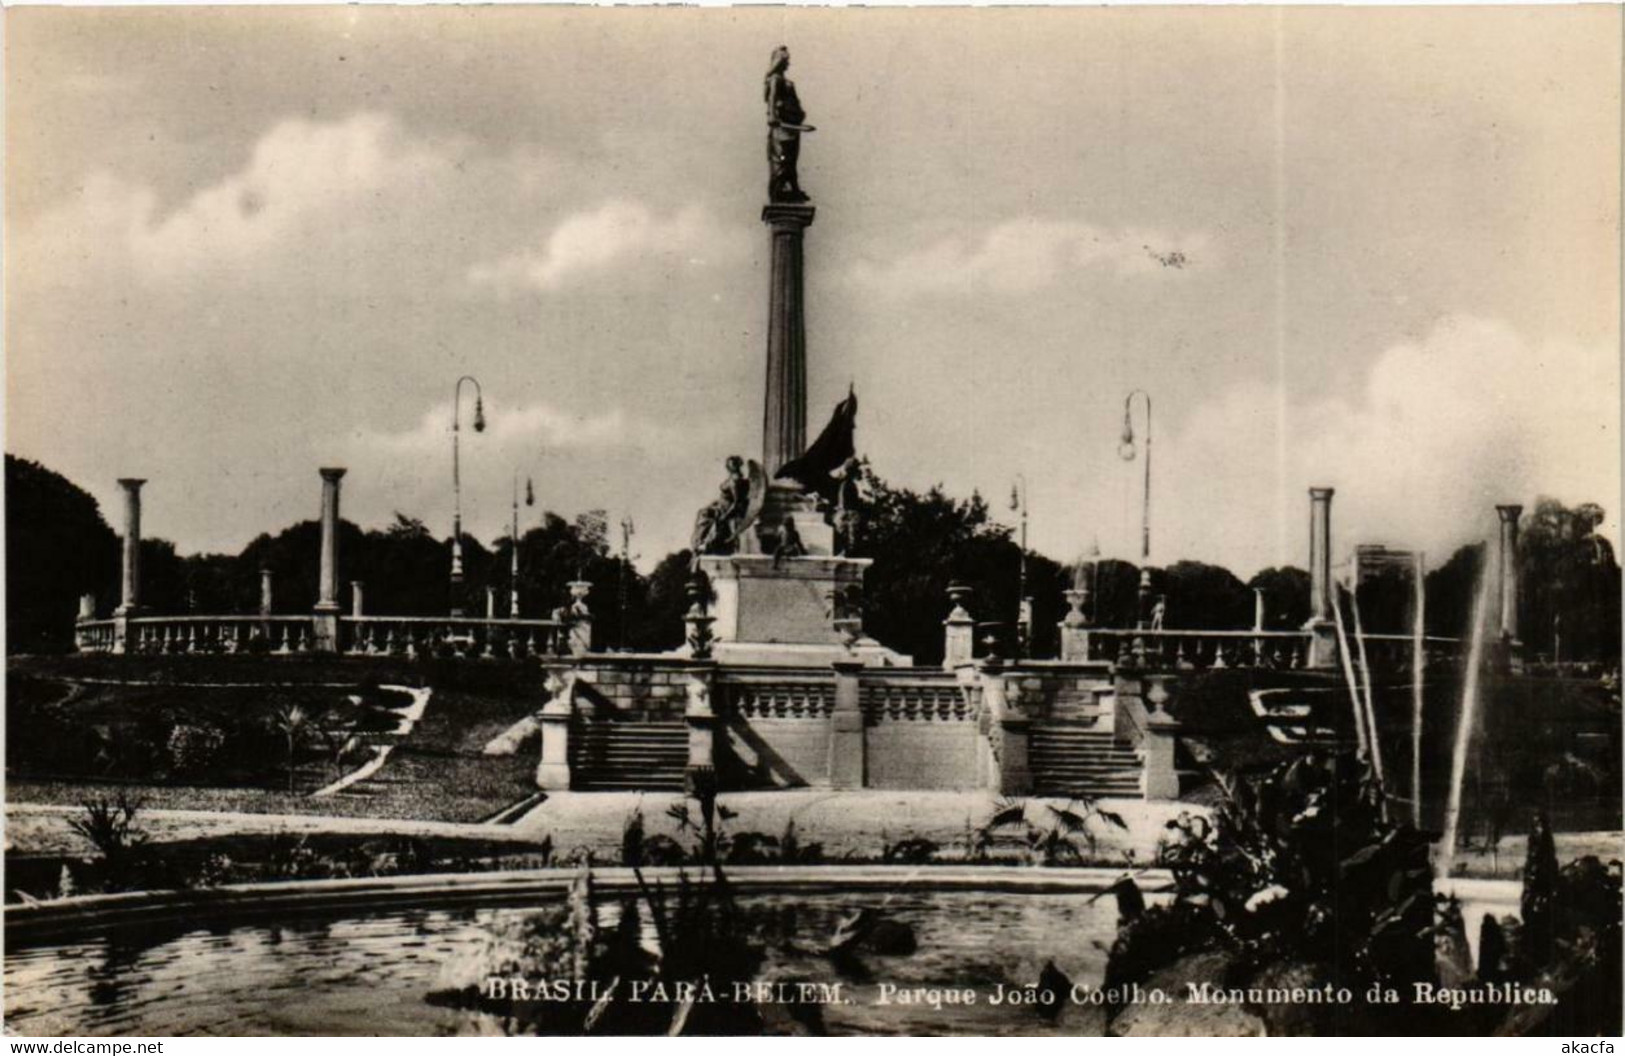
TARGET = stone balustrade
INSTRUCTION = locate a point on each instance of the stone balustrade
(450, 636)
(94, 636)
(153, 635)
(357, 636)
(1187, 650)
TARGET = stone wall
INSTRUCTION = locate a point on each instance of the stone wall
(901, 728)
(633, 688)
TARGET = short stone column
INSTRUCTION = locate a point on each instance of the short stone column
(701, 718)
(1005, 730)
(357, 598)
(580, 618)
(1322, 630)
(1162, 733)
(1075, 626)
(327, 595)
(1506, 565)
(848, 763)
(958, 630)
(130, 565)
(553, 771)
(490, 603)
(697, 620)
(267, 578)
(87, 613)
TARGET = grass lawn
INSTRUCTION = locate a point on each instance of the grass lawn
(76, 736)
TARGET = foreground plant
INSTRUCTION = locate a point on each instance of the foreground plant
(1302, 884)
(110, 827)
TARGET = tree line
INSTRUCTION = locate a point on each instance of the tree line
(59, 546)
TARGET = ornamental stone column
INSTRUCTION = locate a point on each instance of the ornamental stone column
(1507, 570)
(357, 598)
(1322, 629)
(267, 580)
(958, 630)
(327, 601)
(848, 762)
(784, 411)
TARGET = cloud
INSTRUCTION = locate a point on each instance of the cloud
(1025, 255)
(1442, 429)
(520, 432)
(589, 244)
(306, 183)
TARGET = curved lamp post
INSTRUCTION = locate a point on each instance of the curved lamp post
(457, 484)
(1128, 450)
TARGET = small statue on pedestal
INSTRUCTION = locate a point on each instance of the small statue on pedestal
(845, 511)
(789, 544)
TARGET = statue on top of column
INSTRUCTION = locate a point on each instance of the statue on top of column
(785, 123)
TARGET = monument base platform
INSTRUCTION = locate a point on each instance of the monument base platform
(790, 612)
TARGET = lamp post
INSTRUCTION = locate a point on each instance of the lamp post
(513, 541)
(1024, 608)
(1127, 450)
(457, 484)
(628, 528)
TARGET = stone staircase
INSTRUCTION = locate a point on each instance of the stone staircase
(1080, 759)
(613, 756)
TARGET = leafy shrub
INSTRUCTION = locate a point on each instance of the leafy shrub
(911, 850)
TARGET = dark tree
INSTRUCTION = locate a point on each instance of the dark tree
(57, 548)
(1286, 597)
(1203, 597)
(1570, 582)
(1451, 590)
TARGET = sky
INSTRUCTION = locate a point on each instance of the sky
(1376, 249)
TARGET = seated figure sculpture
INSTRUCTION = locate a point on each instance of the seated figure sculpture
(718, 526)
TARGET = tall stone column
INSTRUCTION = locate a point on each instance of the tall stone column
(1323, 633)
(130, 582)
(1507, 570)
(1320, 553)
(130, 578)
(327, 599)
(784, 411)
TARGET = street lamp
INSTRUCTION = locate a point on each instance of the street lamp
(513, 540)
(457, 484)
(1024, 608)
(1127, 450)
